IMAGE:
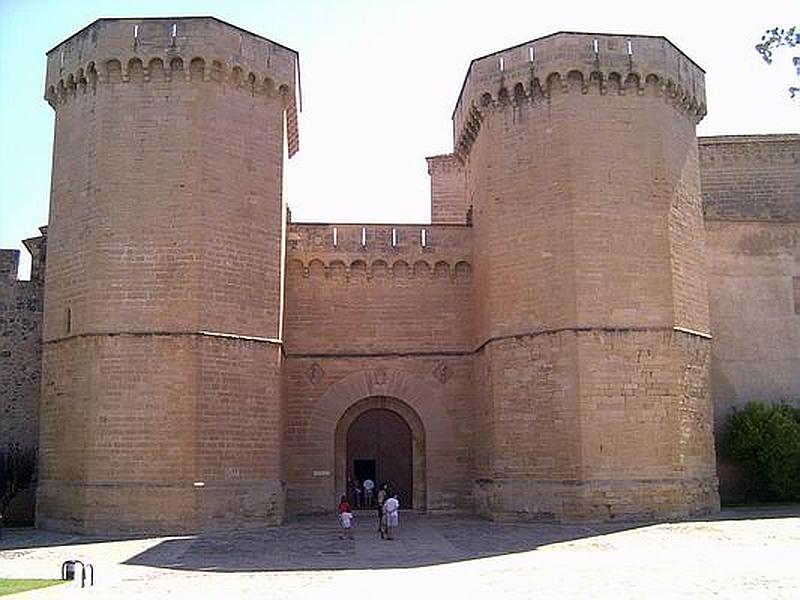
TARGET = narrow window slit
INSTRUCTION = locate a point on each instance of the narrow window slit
(335, 237)
(423, 237)
(394, 237)
(502, 64)
(531, 55)
(363, 236)
(135, 33)
(630, 48)
(596, 45)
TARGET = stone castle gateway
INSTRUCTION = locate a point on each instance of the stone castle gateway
(541, 350)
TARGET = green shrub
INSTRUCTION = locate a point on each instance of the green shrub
(765, 441)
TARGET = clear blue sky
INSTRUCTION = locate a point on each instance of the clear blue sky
(379, 83)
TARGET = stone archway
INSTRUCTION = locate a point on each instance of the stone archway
(417, 434)
(379, 448)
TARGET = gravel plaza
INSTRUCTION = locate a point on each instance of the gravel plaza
(735, 554)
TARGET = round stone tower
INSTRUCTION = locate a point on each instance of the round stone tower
(581, 163)
(161, 407)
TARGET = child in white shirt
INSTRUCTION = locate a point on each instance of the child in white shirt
(346, 520)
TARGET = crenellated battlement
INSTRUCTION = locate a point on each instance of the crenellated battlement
(442, 271)
(177, 51)
(391, 251)
(576, 63)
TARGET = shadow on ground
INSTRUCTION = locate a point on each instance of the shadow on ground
(314, 543)
(28, 538)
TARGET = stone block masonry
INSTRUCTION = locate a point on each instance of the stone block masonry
(751, 196)
(545, 343)
(596, 134)
(21, 360)
(163, 325)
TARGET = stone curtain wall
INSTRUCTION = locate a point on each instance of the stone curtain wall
(21, 359)
(378, 297)
(750, 178)
(20, 354)
(751, 195)
(368, 317)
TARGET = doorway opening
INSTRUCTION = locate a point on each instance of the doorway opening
(364, 469)
(380, 449)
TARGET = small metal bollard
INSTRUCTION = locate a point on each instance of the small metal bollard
(69, 568)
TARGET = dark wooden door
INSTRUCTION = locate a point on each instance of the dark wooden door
(382, 436)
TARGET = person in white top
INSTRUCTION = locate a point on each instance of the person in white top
(369, 487)
(346, 519)
(390, 509)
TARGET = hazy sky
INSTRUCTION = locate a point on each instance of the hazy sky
(380, 80)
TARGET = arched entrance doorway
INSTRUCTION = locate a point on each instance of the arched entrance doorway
(388, 431)
(379, 448)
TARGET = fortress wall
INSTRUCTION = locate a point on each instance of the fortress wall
(437, 388)
(449, 202)
(20, 354)
(141, 112)
(582, 160)
(120, 452)
(618, 396)
(750, 177)
(374, 320)
(603, 256)
(124, 445)
(21, 360)
(526, 408)
(751, 194)
(378, 298)
(167, 243)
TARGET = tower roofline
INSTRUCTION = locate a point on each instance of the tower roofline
(557, 33)
(167, 18)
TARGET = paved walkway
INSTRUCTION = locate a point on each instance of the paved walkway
(735, 555)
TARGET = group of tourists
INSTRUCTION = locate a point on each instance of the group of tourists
(388, 511)
(363, 493)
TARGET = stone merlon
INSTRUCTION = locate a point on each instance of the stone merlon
(113, 50)
(607, 61)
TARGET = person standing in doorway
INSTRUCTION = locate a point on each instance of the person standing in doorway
(390, 509)
(381, 497)
(369, 489)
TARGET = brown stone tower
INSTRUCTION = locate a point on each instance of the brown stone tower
(161, 405)
(580, 159)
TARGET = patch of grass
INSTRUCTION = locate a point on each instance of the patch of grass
(15, 586)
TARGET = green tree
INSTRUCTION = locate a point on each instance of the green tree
(765, 442)
(776, 38)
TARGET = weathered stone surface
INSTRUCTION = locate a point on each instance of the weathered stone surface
(21, 360)
(547, 338)
(161, 404)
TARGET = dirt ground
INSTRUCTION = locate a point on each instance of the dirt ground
(736, 554)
